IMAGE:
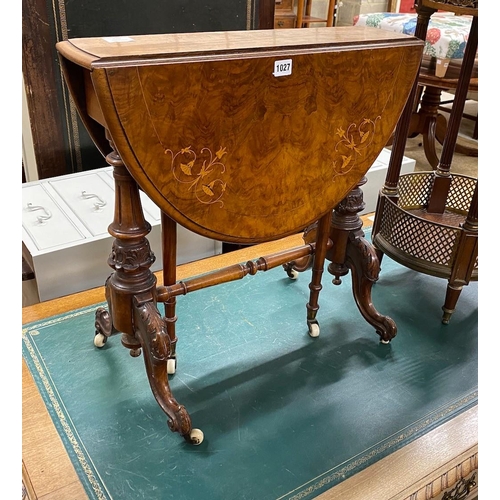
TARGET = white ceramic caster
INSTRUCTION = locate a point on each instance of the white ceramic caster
(385, 341)
(313, 330)
(196, 436)
(99, 340)
(293, 274)
(171, 365)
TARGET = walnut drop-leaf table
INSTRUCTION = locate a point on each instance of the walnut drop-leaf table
(243, 137)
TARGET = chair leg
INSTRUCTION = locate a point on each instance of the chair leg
(475, 132)
(431, 98)
(463, 149)
(451, 299)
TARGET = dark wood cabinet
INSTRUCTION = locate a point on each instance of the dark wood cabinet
(284, 15)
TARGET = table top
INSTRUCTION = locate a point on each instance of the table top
(260, 134)
(142, 49)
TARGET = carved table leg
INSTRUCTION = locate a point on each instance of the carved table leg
(131, 298)
(431, 100)
(351, 251)
(151, 328)
(130, 258)
(104, 327)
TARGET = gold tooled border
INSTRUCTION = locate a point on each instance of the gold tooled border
(66, 427)
(342, 473)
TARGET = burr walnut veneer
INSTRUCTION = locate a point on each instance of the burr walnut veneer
(243, 137)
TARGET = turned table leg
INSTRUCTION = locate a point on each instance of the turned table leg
(318, 263)
(169, 248)
(132, 299)
(131, 258)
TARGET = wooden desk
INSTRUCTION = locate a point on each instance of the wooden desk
(243, 137)
(438, 459)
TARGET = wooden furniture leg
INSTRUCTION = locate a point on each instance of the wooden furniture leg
(465, 257)
(317, 271)
(425, 120)
(350, 251)
(152, 332)
(131, 298)
(429, 122)
(442, 125)
(169, 248)
(131, 258)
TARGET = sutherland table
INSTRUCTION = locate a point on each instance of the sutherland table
(244, 137)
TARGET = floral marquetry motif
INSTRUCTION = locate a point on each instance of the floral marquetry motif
(201, 175)
(353, 145)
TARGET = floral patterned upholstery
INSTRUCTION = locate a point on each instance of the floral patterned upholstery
(447, 34)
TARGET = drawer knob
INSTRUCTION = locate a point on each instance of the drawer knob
(98, 204)
(41, 218)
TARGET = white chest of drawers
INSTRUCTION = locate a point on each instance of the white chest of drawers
(65, 232)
